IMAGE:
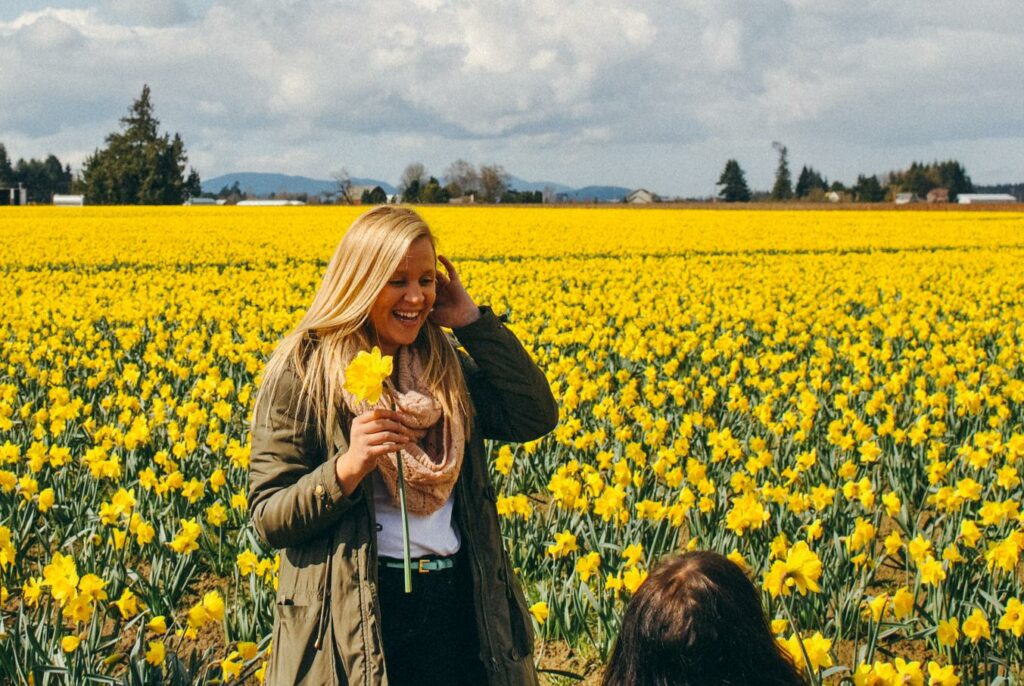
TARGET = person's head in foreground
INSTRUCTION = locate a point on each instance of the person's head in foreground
(697, 621)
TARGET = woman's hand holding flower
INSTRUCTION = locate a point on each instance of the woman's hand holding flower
(373, 434)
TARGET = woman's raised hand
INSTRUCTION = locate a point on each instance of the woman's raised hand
(373, 434)
(453, 307)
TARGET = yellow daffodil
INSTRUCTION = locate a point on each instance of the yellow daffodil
(801, 570)
(366, 373)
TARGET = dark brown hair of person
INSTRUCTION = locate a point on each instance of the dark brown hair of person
(698, 620)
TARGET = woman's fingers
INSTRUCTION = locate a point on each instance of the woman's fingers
(376, 414)
(449, 267)
(383, 425)
(399, 418)
(387, 437)
(384, 449)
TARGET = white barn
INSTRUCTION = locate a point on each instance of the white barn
(269, 203)
(985, 198)
(641, 196)
(67, 200)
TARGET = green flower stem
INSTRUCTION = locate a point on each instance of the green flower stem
(796, 631)
(390, 393)
(406, 558)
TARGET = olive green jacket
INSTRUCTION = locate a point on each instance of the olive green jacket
(327, 620)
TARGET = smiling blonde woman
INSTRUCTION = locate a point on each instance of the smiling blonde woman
(323, 474)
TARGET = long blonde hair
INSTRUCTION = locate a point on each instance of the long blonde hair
(334, 327)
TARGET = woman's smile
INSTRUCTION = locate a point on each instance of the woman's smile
(403, 305)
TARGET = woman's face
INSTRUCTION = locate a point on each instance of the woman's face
(402, 307)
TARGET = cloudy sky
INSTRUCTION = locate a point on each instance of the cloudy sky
(656, 94)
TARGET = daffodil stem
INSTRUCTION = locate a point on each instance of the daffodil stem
(406, 558)
(796, 632)
(390, 393)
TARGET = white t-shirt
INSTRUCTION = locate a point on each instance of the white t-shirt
(432, 535)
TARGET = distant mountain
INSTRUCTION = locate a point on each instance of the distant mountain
(518, 184)
(600, 193)
(259, 183)
(263, 184)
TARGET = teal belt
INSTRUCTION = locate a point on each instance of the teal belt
(423, 565)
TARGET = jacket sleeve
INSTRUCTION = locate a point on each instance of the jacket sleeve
(293, 493)
(511, 395)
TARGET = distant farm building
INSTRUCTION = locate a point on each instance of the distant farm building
(985, 198)
(201, 201)
(833, 196)
(14, 196)
(68, 200)
(640, 196)
(269, 203)
(938, 195)
(905, 198)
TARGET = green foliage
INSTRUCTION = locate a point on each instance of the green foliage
(809, 180)
(139, 166)
(920, 178)
(734, 183)
(412, 191)
(522, 197)
(232, 193)
(783, 188)
(376, 196)
(868, 189)
(434, 193)
(41, 178)
(413, 178)
(6, 171)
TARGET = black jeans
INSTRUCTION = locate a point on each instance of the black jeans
(430, 634)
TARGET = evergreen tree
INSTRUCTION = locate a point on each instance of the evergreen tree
(374, 196)
(808, 181)
(412, 191)
(783, 188)
(513, 196)
(139, 166)
(41, 178)
(868, 189)
(734, 183)
(6, 170)
(954, 177)
(920, 178)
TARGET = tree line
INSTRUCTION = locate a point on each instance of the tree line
(918, 179)
(141, 165)
(137, 166)
(488, 183)
(41, 178)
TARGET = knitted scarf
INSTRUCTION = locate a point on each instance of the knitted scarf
(432, 465)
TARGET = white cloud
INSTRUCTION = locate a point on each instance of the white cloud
(147, 12)
(592, 91)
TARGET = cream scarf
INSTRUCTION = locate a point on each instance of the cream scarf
(432, 465)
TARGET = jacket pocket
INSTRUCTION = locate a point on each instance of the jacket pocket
(294, 657)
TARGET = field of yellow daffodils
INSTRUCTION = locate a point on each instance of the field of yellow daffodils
(833, 399)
